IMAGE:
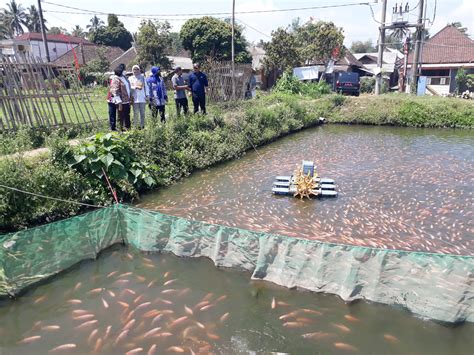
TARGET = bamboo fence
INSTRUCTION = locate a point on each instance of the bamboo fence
(219, 75)
(38, 94)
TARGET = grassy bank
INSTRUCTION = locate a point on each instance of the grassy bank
(142, 160)
(403, 110)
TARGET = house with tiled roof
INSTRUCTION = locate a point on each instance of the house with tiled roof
(85, 53)
(442, 56)
(31, 43)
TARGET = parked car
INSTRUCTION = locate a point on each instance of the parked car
(347, 83)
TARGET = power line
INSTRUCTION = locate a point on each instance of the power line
(92, 12)
(253, 28)
(48, 197)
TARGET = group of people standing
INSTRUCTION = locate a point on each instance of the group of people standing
(137, 91)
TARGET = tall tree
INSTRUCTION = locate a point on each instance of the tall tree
(176, 46)
(153, 43)
(363, 47)
(78, 31)
(58, 31)
(282, 52)
(320, 42)
(33, 22)
(208, 38)
(114, 34)
(14, 17)
(94, 24)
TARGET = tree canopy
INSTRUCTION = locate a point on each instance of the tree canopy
(153, 43)
(363, 47)
(304, 44)
(282, 52)
(114, 34)
(14, 18)
(209, 38)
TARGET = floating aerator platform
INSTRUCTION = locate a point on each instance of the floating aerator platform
(304, 182)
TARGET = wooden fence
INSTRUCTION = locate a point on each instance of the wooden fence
(38, 94)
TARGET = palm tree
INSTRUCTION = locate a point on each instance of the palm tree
(4, 32)
(14, 17)
(78, 31)
(95, 24)
(33, 21)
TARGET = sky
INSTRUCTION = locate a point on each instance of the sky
(357, 21)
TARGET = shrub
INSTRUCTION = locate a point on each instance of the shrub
(110, 153)
(367, 84)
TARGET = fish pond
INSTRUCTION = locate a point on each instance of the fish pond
(399, 188)
(128, 301)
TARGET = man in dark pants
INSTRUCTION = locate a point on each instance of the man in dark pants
(180, 88)
(198, 84)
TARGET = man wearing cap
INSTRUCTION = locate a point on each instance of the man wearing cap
(157, 92)
(198, 84)
(180, 88)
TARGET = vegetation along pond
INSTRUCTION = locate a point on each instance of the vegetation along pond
(399, 188)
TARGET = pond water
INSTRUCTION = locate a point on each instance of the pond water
(160, 304)
(399, 188)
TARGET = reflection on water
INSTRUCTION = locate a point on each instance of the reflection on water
(162, 304)
(399, 188)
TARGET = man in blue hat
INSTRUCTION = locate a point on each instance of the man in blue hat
(198, 85)
(158, 96)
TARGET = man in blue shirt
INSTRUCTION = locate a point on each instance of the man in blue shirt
(198, 84)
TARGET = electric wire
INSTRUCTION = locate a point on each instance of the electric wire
(49, 197)
(94, 12)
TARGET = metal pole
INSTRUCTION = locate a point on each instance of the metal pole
(43, 32)
(233, 49)
(419, 31)
(378, 77)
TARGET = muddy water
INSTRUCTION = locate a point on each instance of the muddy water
(399, 188)
(129, 301)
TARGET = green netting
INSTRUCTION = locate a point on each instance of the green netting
(434, 286)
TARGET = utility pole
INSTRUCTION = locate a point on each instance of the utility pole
(378, 77)
(43, 32)
(233, 49)
(419, 32)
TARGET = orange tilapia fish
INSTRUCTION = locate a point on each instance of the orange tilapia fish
(223, 318)
(273, 303)
(318, 335)
(178, 321)
(151, 332)
(134, 351)
(294, 325)
(351, 318)
(86, 324)
(121, 336)
(74, 301)
(51, 327)
(152, 350)
(175, 349)
(188, 310)
(29, 339)
(341, 327)
(345, 346)
(391, 338)
(63, 347)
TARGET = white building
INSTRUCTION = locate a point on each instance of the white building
(32, 44)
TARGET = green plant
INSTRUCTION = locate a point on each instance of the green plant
(367, 84)
(110, 153)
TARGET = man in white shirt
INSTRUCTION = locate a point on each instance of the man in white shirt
(140, 96)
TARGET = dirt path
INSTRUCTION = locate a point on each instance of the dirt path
(35, 152)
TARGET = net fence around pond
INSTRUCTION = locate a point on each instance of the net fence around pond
(434, 286)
